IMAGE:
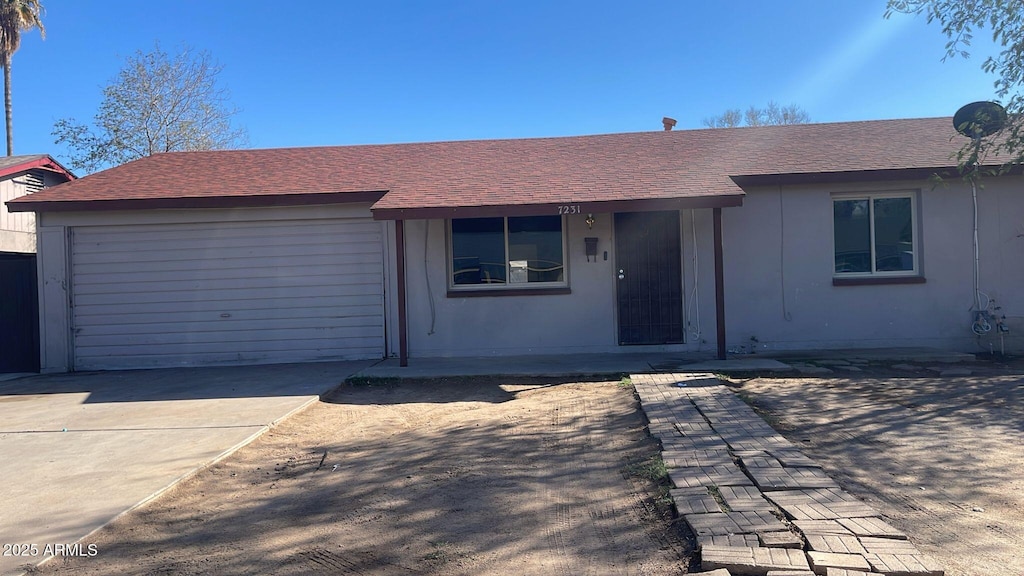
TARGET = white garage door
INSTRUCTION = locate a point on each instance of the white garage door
(227, 293)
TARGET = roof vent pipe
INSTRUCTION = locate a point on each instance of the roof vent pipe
(668, 122)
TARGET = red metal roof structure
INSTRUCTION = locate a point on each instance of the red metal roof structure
(15, 164)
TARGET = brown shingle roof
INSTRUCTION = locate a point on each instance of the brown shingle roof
(435, 178)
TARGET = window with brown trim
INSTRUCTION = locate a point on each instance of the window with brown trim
(875, 235)
(506, 252)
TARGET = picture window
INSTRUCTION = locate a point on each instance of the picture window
(875, 235)
(507, 252)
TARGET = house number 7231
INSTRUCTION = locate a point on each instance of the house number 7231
(574, 209)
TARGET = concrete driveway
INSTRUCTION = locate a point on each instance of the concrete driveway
(77, 450)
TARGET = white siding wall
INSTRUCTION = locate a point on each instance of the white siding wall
(54, 304)
(17, 229)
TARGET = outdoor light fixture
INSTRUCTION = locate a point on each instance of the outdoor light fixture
(590, 221)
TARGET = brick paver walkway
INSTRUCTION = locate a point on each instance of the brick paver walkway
(758, 505)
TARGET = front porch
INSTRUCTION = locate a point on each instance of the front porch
(630, 285)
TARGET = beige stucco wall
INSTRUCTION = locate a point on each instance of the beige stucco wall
(583, 321)
(778, 282)
(779, 259)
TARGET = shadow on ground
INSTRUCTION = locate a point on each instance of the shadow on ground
(186, 383)
(943, 458)
(456, 477)
(441, 390)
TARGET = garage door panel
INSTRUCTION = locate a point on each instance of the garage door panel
(295, 242)
(280, 228)
(210, 293)
(270, 281)
(100, 269)
(176, 324)
(275, 336)
(325, 305)
(184, 352)
(288, 231)
(277, 294)
(303, 229)
(213, 358)
(167, 253)
(281, 274)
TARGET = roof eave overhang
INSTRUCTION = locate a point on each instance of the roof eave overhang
(28, 204)
(753, 180)
(541, 209)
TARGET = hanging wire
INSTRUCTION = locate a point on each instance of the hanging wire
(694, 295)
(426, 275)
(782, 257)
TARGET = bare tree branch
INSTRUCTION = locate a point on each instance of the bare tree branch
(157, 103)
(770, 115)
(1005, 19)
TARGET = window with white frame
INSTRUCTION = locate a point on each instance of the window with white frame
(507, 252)
(875, 235)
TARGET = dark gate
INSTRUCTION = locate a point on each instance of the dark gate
(19, 314)
(649, 268)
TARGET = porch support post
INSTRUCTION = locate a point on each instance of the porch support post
(719, 284)
(403, 336)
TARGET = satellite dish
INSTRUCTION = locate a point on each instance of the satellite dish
(979, 119)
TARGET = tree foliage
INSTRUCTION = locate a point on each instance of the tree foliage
(1004, 19)
(157, 103)
(770, 115)
(16, 16)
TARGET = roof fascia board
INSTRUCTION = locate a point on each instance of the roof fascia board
(746, 181)
(26, 204)
(600, 207)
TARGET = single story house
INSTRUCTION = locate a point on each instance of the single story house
(809, 236)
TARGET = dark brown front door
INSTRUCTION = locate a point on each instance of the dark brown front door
(649, 270)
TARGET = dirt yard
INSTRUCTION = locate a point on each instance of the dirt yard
(442, 477)
(942, 457)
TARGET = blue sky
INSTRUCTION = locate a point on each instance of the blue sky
(344, 72)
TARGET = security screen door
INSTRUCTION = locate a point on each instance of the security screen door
(649, 271)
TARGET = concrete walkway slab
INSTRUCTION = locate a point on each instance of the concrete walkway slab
(535, 365)
(77, 450)
(648, 362)
(731, 365)
(903, 354)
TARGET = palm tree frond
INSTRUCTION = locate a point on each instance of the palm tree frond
(16, 16)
